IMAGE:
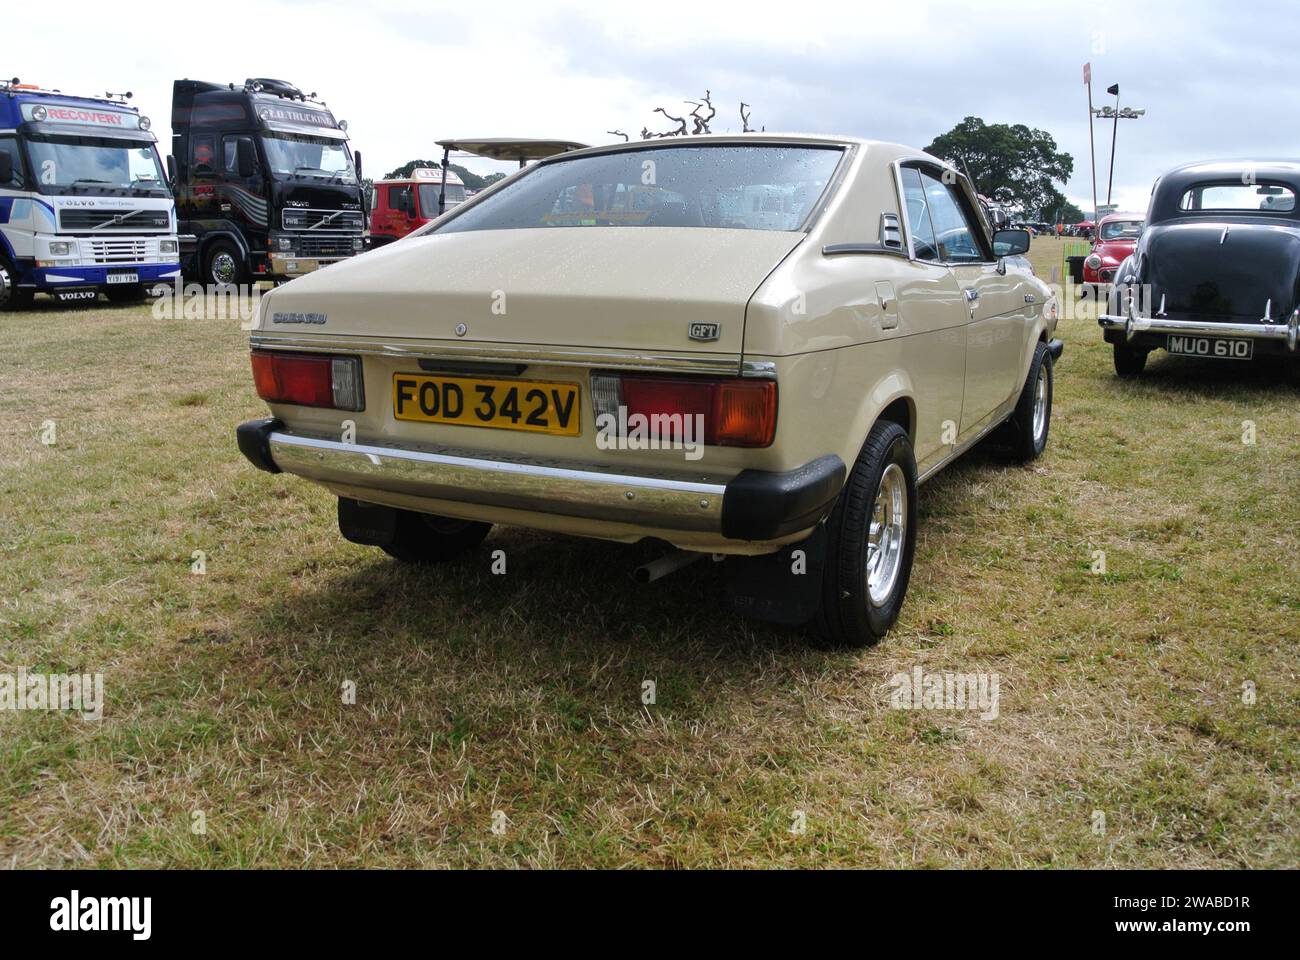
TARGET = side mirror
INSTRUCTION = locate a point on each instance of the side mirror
(246, 157)
(356, 159)
(6, 166)
(171, 171)
(1009, 243)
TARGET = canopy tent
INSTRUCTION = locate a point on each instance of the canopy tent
(502, 148)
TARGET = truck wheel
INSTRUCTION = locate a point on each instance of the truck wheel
(1129, 362)
(1032, 418)
(425, 538)
(870, 542)
(132, 293)
(11, 298)
(223, 264)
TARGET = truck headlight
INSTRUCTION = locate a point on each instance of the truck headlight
(60, 248)
(167, 246)
(357, 244)
(285, 243)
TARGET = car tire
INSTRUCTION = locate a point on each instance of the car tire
(134, 293)
(1129, 363)
(866, 572)
(223, 264)
(1032, 420)
(425, 538)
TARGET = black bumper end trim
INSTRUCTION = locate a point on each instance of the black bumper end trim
(760, 505)
(1056, 348)
(254, 438)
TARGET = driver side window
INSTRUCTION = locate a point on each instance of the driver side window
(9, 146)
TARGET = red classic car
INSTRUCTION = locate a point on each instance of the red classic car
(1117, 235)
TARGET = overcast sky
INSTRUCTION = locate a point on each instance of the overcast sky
(1216, 79)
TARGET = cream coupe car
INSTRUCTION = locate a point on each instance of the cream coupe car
(754, 346)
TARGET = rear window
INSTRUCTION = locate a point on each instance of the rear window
(743, 187)
(1121, 230)
(1239, 197)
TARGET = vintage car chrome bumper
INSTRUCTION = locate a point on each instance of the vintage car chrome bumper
(1288, 332)
(753, 505)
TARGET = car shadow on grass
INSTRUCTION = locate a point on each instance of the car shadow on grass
(558, 599)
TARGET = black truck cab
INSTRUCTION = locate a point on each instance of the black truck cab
(265, 185)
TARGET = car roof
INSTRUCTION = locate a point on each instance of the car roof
(1171, 186)
(892, 150)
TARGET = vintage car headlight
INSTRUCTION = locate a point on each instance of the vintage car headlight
(1093, 262)
(60, 248)
(167, 246)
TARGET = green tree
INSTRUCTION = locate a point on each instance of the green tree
(1015, 165)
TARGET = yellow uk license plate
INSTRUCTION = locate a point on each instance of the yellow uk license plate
(535, 405)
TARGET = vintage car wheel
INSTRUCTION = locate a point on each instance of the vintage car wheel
(1129, 362)
(872, 537)
(1033, 417)
(425, 538)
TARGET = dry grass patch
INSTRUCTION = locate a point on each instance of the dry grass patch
(521, 695)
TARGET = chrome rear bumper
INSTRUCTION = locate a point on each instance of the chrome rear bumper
(1288, 332)
(753, 505)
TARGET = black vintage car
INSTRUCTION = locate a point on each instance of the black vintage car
(1217, 271)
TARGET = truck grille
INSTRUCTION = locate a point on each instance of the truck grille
(119, 251)
(299, 219)
(309, 246)
(137, 221)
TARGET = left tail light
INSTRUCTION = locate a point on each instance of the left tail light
(309, 380)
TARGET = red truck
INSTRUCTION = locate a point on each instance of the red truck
(399, 206)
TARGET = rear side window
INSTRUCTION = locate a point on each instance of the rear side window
(742, 187)
(1239, 197)
(918, 216)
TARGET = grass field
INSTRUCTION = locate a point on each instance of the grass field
(515, 701)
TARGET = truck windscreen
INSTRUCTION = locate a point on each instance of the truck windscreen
(90, 164)
(308, 157)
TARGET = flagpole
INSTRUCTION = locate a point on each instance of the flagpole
(1092, 149)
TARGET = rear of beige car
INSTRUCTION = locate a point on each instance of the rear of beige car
(464, 373)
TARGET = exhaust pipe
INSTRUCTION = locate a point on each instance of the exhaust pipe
(669, 563)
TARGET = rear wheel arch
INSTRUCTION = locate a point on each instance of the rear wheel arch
(901, 411)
